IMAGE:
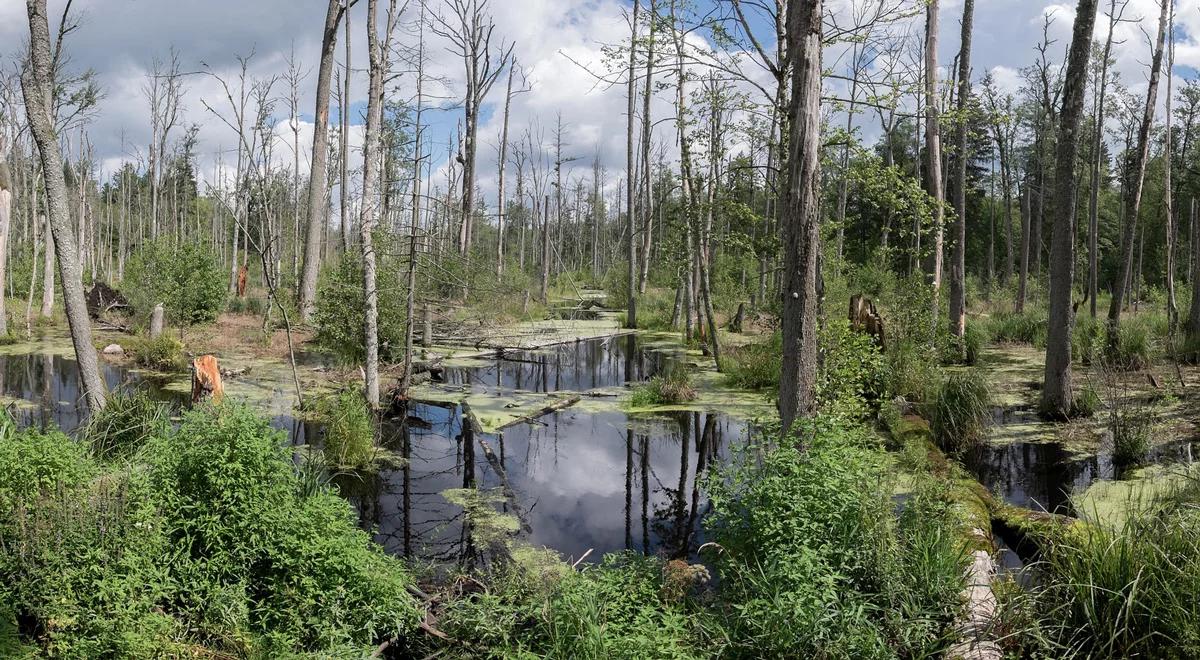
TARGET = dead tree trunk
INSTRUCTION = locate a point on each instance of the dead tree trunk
(319, 173)
(1097, 156)
(933, 150)
(631, 288)
(1137, 176)
(958, 267)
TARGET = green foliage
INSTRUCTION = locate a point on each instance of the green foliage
(1028, 327)
(163, 353)
(674, 386)
(1134, 346)
(1087, 402)
(1129, 425)
(852, 375)
(206, 544)
(127, 421)
(341, 304)
(817, 564)
(961, 411)
(975, 339)
(754, 366)
(1126, 591)
(251, 305)
(1087, 339)
(349, 439)
(185, 277)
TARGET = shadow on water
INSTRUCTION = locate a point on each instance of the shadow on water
(575, 479)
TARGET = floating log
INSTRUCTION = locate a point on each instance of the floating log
(545, 410)
(206, 379)
(509, 494)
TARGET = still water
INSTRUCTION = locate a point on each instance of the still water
(575, 480)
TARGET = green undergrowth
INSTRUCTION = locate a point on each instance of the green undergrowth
(349, 429)
(201, 541)
(162, 353)
(812, 560)
(675, 386)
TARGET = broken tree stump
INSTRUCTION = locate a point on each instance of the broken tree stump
(156, 321)
(243, 272)
(206, 379)
(865, 318)
(738, 319)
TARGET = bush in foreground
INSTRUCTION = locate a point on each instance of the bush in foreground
(206, 544)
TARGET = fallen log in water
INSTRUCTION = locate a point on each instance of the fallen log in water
(545, 410)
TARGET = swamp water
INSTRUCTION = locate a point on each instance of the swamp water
(586, 477)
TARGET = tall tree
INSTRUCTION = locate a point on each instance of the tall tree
(38, 85)
(958, 267)
(801, 214)
(1097, 155)
(631, 289)
(933, 148)
(469, 33)
(1057, 395)
(1135, 179)
(319, 173)
(377, 56)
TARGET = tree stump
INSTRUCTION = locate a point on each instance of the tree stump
(865, 318)
(243, 272)
(738, 319)
(206, 379)
(156, 321)
(427, 334)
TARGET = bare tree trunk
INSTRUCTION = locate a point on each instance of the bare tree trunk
(1097, 156)
(1194, 313)
(344, 117)
(6, 197)
(958, 267)
(1023, 277)
(1057, 397)
(546, 249)
(501, 203)
(1168, 198)
(933, 149)
(1137, 176)
(319, 172)
(37, 83)
(48, 275)
(647, 175)
(631, 289)
(801, 215)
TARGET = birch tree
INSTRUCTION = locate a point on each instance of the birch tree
(38, 85)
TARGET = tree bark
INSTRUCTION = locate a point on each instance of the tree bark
(1023, 276)
(1057, 395)
(631, 289)
(933, 149)
(801, 215)
(501, 203)
(958, 275)
(1097, 156)
(318, 210)
(37, 83)
(1137, 176)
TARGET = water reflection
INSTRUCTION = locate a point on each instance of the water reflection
(574, 482)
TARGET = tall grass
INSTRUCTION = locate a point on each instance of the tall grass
(961, 411)
(125, 423)
(349, 439)
(674, 386)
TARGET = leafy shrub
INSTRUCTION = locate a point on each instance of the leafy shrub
(127, 421)
(814, 562)
(340, 304)
(349, 439)
(1087, 339)
(912, 370)
(961, 411)
(185, 277)
(163, 353)
(754, 366)
(251, 305)
(206, 544)
(852, 371)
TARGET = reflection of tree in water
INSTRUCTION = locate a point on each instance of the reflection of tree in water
(676, 509)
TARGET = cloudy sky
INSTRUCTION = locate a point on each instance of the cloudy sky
(120, 39)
